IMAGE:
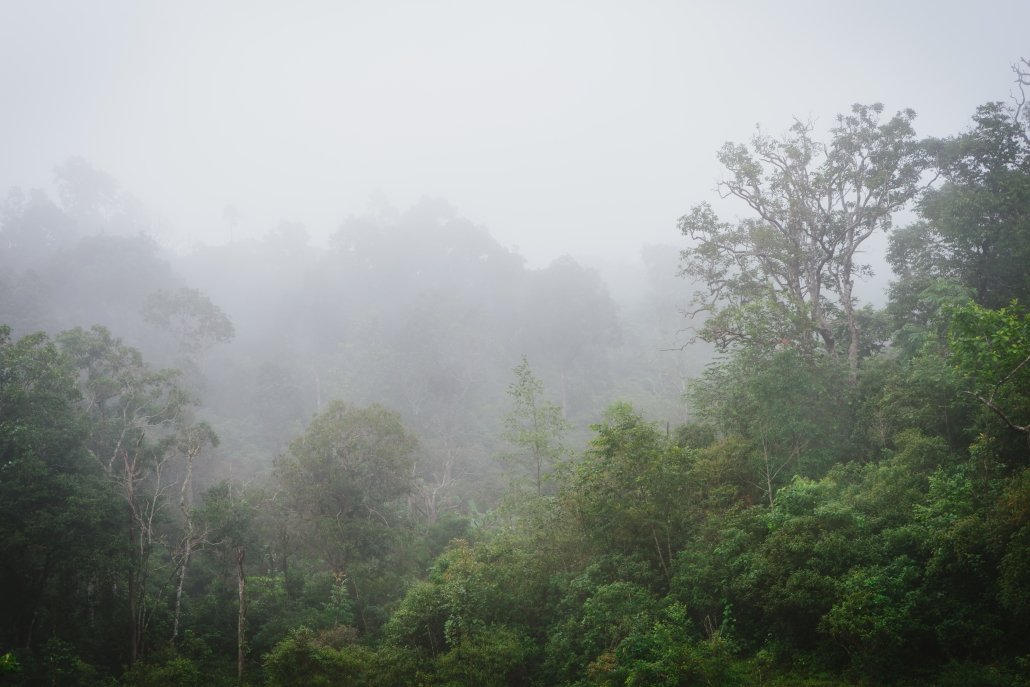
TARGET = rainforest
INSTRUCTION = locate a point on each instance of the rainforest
(788, 445)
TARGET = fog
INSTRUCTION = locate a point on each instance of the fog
(393, 202)
(532, 343)
(581, 128)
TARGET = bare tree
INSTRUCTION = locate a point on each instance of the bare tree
(191, 441)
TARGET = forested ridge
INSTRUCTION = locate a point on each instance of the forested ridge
(408, 459)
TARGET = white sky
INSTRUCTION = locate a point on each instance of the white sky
(564, 127)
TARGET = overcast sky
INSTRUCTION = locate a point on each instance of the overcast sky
(564, 127)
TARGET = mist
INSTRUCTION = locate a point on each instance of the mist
(579, 128)
(547, 343)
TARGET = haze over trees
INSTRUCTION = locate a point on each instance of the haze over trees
(406, 458)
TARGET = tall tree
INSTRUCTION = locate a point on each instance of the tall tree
(228, 516)
(60, 543)
(627, 493)
(534, 425)
(975, 228)
(786, 275)
(190, 441)
(190, 318)
(347, 477)
(133, 413)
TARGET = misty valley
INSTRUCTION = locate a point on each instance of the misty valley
(405, 456)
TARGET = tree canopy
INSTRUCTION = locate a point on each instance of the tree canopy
(277, 463)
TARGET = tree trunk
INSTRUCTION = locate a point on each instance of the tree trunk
(846, 288)
(241, 618)
(190, 537)
(768, 475)
(286, 569)
(131, 592)
(178, 588)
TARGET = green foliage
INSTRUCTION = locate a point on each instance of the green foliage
(123, 395)
(991, 349)
(821, 524)
(921, 393)
(975, 227)
(60, 525)
(786, 275)
(668, 654)
(343, 475)
(534, 425)
(350, 462)
(877, 615)
(964, 673)
(799, 428)
(695, 435)
(619, 633)
(1013, 521)
(471, 587)
(496, 656)
(420, 619)
(344, 481)
(226, 515)
(144, 441)
(60, 664)
(626, 494)
(303, 658)
(607, 615)
(160, 671)
(9, 664)
(319, 601)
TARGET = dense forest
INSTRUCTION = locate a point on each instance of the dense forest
(405, 458)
